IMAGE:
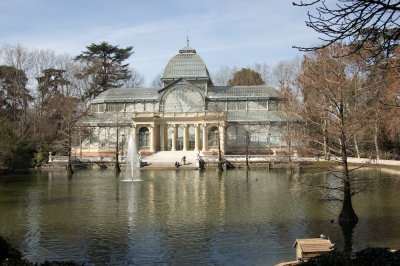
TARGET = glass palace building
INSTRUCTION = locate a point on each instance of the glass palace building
(187, 113)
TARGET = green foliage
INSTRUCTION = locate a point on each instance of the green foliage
(13, 152)
(40, 158)
(246, 77)
(14, 96)
(50, 84)
(105, 68)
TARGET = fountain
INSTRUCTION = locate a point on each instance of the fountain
(132, 161)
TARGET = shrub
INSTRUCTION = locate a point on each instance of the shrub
(7, 251)
(334, 258)
(376, 256)
(368, 256)
(13, 152)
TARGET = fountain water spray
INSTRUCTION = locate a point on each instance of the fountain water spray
(132, 160)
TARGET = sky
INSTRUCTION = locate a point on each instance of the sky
(223, 32)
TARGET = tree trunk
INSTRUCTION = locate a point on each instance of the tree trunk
(117, 166)
(347, 230)
(70, 171)
(325, 130)
(376, 130)
(347, 214)
(356, 147)
(247, 150)
(289, 140)
(220, 166)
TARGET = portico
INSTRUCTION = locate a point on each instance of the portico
(174, 132)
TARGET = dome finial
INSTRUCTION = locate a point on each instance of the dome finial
(187, 49)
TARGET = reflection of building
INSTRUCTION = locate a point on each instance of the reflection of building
(187, 113)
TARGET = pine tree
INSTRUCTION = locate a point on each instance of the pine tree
(104, 67)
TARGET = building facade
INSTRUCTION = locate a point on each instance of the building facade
(186, 113)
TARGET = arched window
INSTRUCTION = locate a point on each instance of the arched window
(274, 136)
(182, 98)
(144, 137)
(213, 137)
(231, 136)
(259, 136)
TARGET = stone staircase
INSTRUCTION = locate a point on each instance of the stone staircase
(171, 157)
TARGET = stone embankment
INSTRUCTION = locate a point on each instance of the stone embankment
(168, 160)
(353, 160)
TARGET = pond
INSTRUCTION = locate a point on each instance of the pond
(184, 216)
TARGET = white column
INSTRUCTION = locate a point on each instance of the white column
(205, 138)
(153, 138)
(185, 137)
(135, 136)
(221, 131)
(174, 134)
(162, 137)
(197, 137)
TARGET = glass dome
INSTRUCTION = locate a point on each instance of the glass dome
(187, 64)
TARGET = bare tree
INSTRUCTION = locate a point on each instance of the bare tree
(369, 25)
(135, 81)
(223, 75)
(265, 71)
(285, 74)
(156, 82)
(328, 89)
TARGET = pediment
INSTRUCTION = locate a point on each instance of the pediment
(181, 96)
(178, 83)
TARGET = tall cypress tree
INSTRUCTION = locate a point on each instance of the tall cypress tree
(104, 67)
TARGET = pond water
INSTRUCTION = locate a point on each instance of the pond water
(184, 217)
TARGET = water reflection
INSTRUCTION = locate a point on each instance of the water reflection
(347, 231)
(173, 217)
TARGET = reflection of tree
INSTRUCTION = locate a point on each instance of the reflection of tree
(347, 230)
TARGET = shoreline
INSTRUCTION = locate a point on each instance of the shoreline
(305, 164)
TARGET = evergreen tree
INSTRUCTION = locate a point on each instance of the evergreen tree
(13, 152)
(246, 77)
(50, 85)
(104, 67)
(14, 97)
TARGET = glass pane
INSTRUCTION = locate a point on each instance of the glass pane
(192, 137)
(179, 139)
(213, 137)
(231, 105)
(271, 106)
(252, 105)
(149, 107)
(183, 99)
(221, 106)
(129, 107)
(139, 107)
(241, 105)
(211, 106)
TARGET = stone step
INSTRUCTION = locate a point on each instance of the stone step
(172, 156)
